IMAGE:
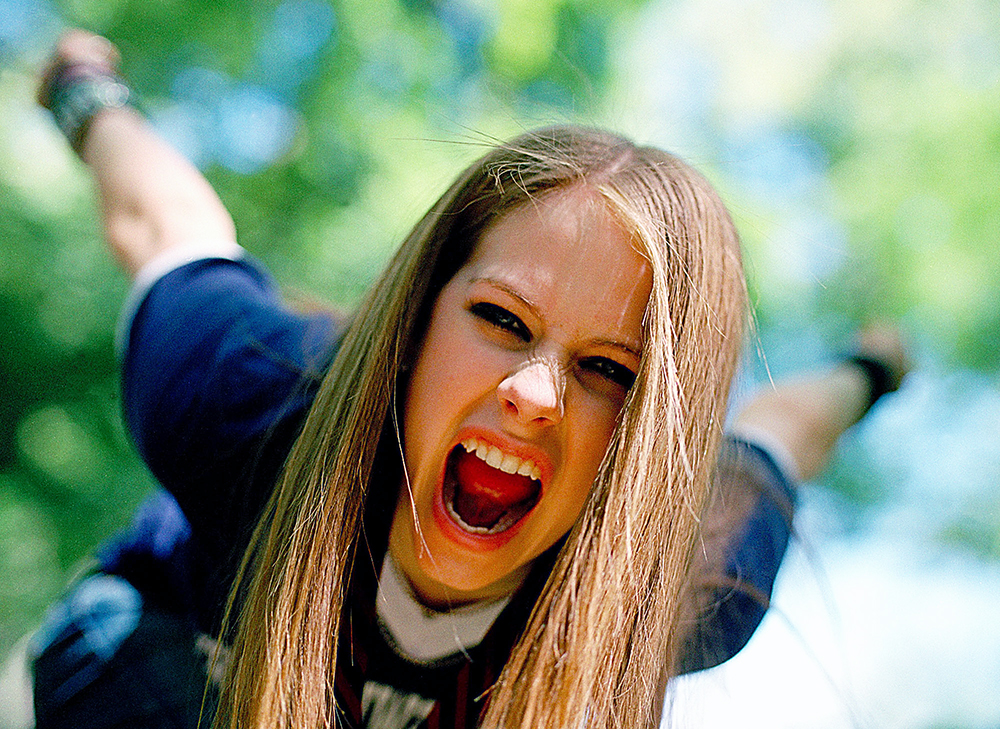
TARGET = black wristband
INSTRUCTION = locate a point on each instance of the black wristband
(880, 377)
(77, 92)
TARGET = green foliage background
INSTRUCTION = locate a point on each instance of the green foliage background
(881, 121)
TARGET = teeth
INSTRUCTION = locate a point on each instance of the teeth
(510, 464)
(506, 462)
(494, 457)
(468, 527)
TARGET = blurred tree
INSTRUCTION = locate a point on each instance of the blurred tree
(858, 142)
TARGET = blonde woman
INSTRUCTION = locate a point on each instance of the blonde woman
(486, 509)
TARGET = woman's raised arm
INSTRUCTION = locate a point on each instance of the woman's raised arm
(151, 198)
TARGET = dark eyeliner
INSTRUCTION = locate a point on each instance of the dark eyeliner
(610, 370)
(501, 318)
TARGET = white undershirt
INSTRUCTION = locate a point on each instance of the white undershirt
(423, 635)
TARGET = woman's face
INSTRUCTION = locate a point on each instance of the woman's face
(522, 373)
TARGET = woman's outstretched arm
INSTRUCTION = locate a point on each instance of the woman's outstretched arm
(807, 416)
(151, 198)
(786, 433)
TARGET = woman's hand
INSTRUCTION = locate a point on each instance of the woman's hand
(77, 48)
(883, 342)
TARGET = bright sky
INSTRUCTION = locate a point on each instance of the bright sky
(871, 633)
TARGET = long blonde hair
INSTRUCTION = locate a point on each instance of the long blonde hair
(605, 626)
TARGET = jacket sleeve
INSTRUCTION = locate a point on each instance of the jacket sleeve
(217, 375)
(745, 532)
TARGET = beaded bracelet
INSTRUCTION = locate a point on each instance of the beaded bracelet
(76, 92)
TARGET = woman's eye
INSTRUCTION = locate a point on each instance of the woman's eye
(500, 318)
(610, 370)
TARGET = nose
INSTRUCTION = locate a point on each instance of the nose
(533, 394)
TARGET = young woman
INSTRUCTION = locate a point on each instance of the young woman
(485, 509)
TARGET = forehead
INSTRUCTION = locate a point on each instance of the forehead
(567, 252)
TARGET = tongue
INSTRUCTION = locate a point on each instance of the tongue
(484, 493)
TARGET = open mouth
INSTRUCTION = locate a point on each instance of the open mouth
(487, 491)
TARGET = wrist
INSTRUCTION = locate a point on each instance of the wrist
(77, 92)
(879, 376)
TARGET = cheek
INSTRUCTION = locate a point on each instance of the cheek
(568, 508)
(443, 376)
(451, 376)
(429, 373)
(586, 449)
(591, 440)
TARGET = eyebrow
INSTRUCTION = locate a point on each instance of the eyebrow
(618, 345)
(508, 289)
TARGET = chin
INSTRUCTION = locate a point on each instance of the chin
(450, 570)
